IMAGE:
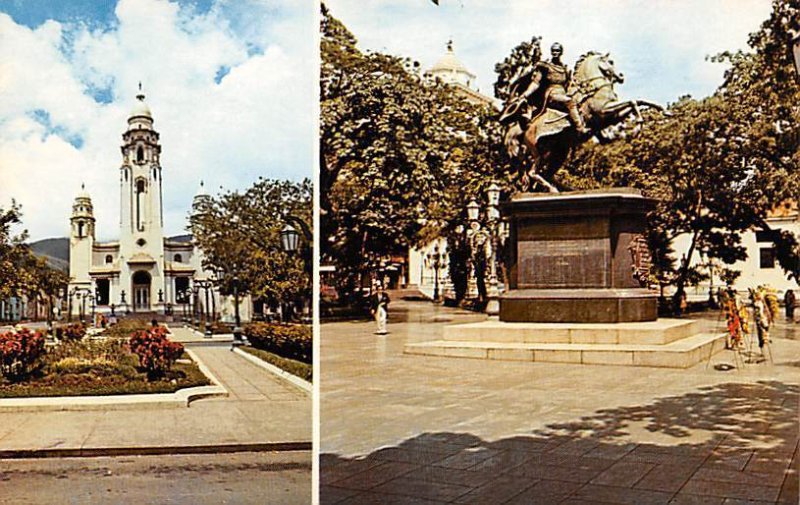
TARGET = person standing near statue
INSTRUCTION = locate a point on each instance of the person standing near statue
(553, 77)
(789, 301)
(380, 309)
(763, 317)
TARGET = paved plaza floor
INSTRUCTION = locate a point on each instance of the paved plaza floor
(413, 429)
(261, 409)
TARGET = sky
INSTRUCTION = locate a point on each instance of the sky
(231, 84)
(660, 45)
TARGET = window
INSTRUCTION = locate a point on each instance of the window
(140, 154)
(178, 258)
(80, 230)
(109, 258)
(767, 257)
(140, 188)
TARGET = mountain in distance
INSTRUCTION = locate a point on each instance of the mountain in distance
(54, 250)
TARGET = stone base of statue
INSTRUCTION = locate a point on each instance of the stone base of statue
(576, 290)
(574, 258)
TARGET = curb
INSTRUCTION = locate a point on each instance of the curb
(178, 399)
(96, 452)
(297, 381)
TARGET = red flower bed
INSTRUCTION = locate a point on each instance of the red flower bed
(155, 351)
(72, 332)
(19, 353)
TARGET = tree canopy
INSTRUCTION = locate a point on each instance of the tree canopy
(22, 273)
(399, 153)
(239, 234)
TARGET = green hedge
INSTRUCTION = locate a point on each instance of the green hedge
(291, 341)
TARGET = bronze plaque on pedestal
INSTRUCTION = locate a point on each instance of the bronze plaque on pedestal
(578, 257)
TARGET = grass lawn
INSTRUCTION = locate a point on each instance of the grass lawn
(88, 369)
(297, 368)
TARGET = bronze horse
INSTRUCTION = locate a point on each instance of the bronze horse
(550, 137)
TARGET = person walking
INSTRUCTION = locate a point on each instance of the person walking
(789, 300)
(380, 309)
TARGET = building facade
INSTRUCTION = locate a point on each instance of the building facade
(142, 272)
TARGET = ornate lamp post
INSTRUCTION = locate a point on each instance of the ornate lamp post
(182, 300)
(82, 295)
(488, 239)
(237, 330)
(92, 299)
(437, 260)
(70, 295)
(290, 244)
(289, 238)
(493, 213)
(205, 285)
(195, 309)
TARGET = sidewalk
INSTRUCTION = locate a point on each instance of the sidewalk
(261, 411)
(412, 429)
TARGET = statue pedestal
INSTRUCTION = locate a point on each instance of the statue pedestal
(574, 258)
(574, 293)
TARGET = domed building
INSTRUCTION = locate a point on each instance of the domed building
(450, 70)
(143, 272)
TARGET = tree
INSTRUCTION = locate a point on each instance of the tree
(395, 147)
(239, 234)
(21, 272)
(13, 252)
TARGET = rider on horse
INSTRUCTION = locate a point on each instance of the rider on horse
(553, 76)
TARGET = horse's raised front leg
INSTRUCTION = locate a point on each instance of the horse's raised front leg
(544, 182)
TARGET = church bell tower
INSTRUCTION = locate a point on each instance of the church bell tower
(141, 210)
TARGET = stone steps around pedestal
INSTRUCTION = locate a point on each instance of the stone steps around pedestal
(659, 332)
(682, 353)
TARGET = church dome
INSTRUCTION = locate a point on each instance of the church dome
(140, 108)
(82, 206)
(450, 69)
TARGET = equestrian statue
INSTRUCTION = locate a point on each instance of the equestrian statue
(550, 111)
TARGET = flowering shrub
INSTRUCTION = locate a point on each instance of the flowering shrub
(291, 341)
(72, 332)
(19, 353)
(155, 351)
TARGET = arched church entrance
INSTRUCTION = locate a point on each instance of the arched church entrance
(141, 291)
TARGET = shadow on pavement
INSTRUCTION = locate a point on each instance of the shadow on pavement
(727, 443)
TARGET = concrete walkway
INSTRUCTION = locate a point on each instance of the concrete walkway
(422, 430)
(261, 410)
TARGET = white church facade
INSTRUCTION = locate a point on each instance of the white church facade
(142, 272)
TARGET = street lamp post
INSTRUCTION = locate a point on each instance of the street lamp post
(195, 309)
(478, 237)
(437, 261)
(82, 295)
(70, 295)
(92, 299)
(290, 243)
(493, 196)
(237, 330)
(205, 284)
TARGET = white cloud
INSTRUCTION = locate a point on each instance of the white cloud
(257, 121)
